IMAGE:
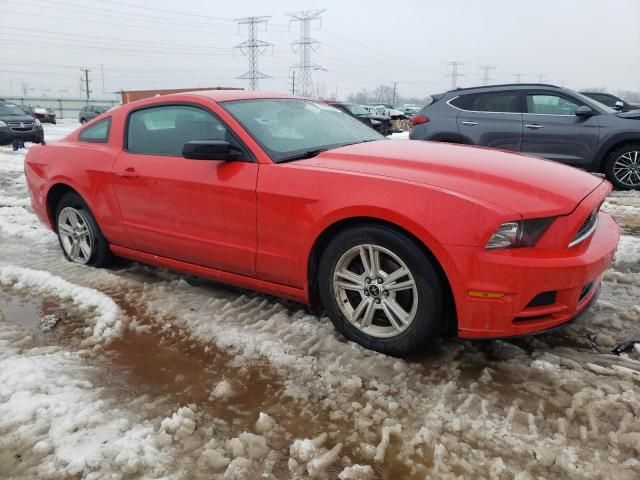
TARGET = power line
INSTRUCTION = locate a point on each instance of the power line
(304, 47)
(485, 77)
(455, 73)
(252, 49)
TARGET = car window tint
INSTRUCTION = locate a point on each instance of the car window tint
(507, 102)
(607, 100)
(546, 104)
(164, 130)
(463, 101)
(98, 133)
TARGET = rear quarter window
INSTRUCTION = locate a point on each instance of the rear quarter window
(98, 133)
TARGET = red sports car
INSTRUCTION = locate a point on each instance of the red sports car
(400, 240)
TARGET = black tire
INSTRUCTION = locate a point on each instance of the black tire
(101, 255)
(613, 175)
(428, 321)
(83, 121)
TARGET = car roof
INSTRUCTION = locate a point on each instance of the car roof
(227, 95)
(503, 86)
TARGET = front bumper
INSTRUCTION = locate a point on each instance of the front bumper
(572, 275)
(7, 135)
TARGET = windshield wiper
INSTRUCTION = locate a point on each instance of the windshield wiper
(303, 155)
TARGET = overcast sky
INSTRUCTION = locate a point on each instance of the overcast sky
(189, 43)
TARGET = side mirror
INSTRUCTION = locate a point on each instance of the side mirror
(584, 111)
(210, 150)
(619, 105)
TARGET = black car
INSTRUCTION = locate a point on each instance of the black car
(89, 112)
(538, 119)
(15, 123)
(612, 101)
(44, 114)
(381, 123)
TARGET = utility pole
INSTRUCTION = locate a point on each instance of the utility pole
(253, 48)
(542, 77)
(518, 77)
(395, 89)
(304, 46)
(102, 75)
(86, 82)
(293, 82)
(485, 77)
(455, 73)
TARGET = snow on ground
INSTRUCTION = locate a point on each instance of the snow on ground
(199, 380)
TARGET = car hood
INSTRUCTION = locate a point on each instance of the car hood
(16, 118)
(634, 114)
(523, 184)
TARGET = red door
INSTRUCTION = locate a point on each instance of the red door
(197, 211)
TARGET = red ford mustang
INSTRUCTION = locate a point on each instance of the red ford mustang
(400, 240)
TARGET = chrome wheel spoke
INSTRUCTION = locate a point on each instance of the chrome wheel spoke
(395, 275)
(406, 285)
(75, 249)
(348, 280)
(75, 236)
(395, 313)
(65, 229)
(627, 168)
(85, 249)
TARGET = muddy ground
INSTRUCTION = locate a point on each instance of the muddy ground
(138, 372)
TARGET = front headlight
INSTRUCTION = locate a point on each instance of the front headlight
(375, 122)
(2, 124)
(36, 122)
(520, 233)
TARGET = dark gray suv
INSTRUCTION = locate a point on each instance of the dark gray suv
(541, 120)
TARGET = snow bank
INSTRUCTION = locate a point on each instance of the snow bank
(105, 316)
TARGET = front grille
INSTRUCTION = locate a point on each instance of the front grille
(542, 299)
(20, 126)
(586, 229)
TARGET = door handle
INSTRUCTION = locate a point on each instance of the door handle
(534, 126)
(471, 124)
(127, 172)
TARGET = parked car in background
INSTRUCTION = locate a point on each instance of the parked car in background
(612, 101)
(89, 112)
(400, 241)
(44, 114)
(381, 123)
(537, 119)
(15, 123)
(412, 109)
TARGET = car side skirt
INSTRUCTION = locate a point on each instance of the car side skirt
(242, 281)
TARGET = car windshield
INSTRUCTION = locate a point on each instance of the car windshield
(589, 100)
(355, 109)
(289, 128)
(8, 109)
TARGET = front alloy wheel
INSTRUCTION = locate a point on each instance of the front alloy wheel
(627, 169)
(380, 289)
(375, 290)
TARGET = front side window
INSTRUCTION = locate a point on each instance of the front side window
(164, 130)
(98, 133)
(496, 102)
(286, 128)
(355, 109)
(548, 104)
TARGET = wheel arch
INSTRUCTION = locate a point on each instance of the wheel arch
(613, 145)
(54, 195)
(323, 239)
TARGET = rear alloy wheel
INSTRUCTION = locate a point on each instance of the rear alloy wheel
(623, 168)
(79, 235)
(380, 290)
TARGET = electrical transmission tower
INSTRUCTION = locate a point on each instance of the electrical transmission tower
(518, 77)
(253, 48)
(304, 47)
(455, 73)
(485, 77)
(542, 77)
(84, 82)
